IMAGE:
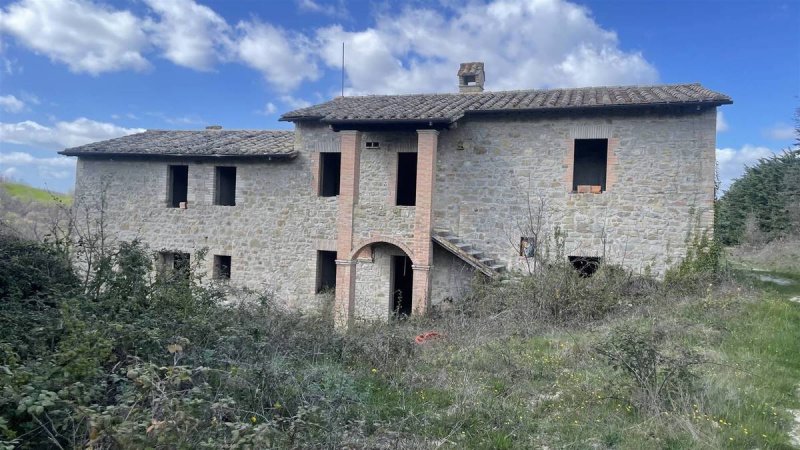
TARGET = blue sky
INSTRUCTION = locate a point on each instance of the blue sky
(77, 71)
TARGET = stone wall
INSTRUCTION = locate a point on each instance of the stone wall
(272, 234)
(660, 184)
(660, 189)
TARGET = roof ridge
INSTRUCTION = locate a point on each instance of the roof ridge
(509, 91)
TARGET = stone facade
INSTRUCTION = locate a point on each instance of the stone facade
(475, 178)
(660, 187)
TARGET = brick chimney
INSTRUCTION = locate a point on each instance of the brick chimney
(471, 77)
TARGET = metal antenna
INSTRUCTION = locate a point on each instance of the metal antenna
(342, 69)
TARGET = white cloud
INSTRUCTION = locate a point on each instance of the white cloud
(11, 66)
(8, 173)
(269, 108)
(294, 102)
(538, 43)
(26, 159)
(51, 168)
(337, 10)
(62, 134)
(11, 104)
(190, 34)
(722, 125)
(525, 43)
(731, 162)
(781, 132)
(284, 58)
(85, 36)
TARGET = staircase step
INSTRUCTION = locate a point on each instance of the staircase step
(478, 258)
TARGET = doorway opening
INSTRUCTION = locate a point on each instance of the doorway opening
(402, 282)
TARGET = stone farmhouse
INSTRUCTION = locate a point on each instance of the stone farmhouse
(397, 201)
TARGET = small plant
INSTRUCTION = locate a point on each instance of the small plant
(659, 371)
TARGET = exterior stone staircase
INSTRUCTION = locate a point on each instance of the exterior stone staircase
(476, 258)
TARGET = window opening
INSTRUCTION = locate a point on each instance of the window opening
(225, 186)
(527, 246)
(326, 270)
(330, 173)
(585, 265)
(178, 185)
(589, 168)
(406, 179)
(222, 267)
(372, 144)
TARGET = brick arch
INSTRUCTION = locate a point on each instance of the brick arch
(382, 240)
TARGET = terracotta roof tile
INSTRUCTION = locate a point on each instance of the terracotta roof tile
(451, 107)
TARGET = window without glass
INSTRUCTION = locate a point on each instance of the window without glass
(406, 179)
(175, 265)
(225, 186)
(222, 267)
(591, 159)
(527, 247)
(177, 185)
(585, 265)
(326, 270)
(330, 168)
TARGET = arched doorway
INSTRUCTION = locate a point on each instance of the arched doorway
(384, 281)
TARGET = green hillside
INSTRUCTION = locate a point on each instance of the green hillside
(29, 193)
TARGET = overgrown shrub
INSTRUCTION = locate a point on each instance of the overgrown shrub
(34, 280)
(658, 371)
(557, 294)
(146, 361)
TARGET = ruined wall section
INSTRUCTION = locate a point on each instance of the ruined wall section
(660, 184)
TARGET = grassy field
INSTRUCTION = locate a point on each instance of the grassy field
(553, 389)
(24, 192)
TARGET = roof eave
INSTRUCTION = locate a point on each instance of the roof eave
(98, 155)
(437, 120)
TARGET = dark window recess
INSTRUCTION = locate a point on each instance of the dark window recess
(326, 270)
(527, 246)
(372, 144)
(591, 159)
(178, 184)
(330, 171)
(406, 179)
(402, 284)
(222, 267)
(175, 265)
(469, 79)
(585, 265)
(225, 186)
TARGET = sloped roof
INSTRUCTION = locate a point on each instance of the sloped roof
(208, 143)
(451, 107)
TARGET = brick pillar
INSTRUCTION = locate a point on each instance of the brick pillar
(348, 192)
(427, 143)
